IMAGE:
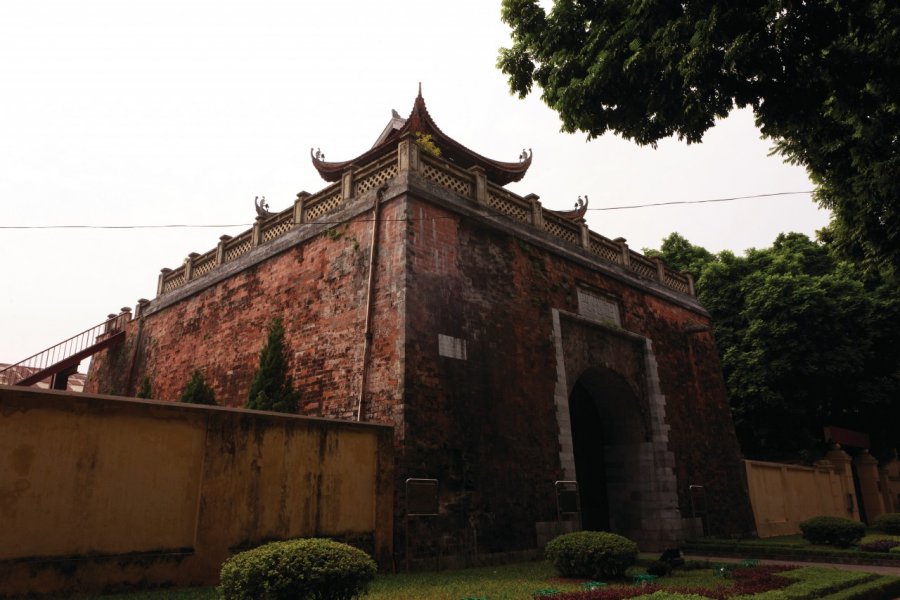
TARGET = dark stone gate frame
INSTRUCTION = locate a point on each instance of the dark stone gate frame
(651, 481)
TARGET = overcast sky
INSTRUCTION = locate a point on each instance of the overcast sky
(140, 113)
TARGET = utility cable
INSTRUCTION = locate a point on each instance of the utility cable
(225, 225)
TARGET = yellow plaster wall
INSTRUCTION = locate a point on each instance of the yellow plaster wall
(784, 495)
(122, 490)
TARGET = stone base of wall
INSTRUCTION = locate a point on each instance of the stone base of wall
(456, 562)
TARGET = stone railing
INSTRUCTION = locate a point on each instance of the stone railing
(471, 184)
(308, 208)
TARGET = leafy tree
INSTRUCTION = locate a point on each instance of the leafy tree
(198, 391)
(806, 340)
(821, 78)
(146, 389)
(272, 388)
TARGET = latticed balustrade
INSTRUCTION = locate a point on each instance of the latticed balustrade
(316, 207)
(508, 206)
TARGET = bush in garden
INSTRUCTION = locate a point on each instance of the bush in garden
(303, 569)
(591, 554)
(272, 387)
(888, 523)
(879, 546)
(834, 531)
(895, 550)
(198, 391)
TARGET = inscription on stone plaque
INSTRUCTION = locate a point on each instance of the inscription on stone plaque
(597, 307)
(451, 347)
(421, 497)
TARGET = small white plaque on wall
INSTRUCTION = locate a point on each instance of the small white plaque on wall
(451, 347)
(597, 307)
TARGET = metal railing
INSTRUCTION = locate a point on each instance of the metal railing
(67, 353)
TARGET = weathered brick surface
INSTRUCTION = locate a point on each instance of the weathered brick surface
(486, 425)
(319, 290)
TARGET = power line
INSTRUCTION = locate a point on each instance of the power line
(731, 199)
(224, 225)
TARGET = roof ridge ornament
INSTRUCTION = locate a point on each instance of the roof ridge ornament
(419, 120)
(581, 207)
(262, 207)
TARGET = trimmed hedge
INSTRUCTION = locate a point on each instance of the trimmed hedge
(744, 550)
(833, 531)
(303, 569)
(879, 546)
(888, 523)
(591, 554)
(879, 589)
(666, 595)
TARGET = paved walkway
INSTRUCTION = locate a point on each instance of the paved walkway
(881, 570)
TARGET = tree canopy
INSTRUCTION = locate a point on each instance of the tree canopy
(272, 387)
(821, 77)
(807, 340)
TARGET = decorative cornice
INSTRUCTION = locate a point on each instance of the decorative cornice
(421, 122)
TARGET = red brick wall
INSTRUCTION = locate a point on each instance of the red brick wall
(486, 426)
(319, 290)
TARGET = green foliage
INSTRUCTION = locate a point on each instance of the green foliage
(888, 523)
(877, 589)
(681, 255)
(591, 554)
(198, 391)
(895, 550)
(806, 340)
(666, 595)
(833, 531)
(272, 388)
(819, 76)
(815, 582)
(146, 389)
(426, 143)
(303, 569)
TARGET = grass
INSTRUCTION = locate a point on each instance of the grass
(794, 547)
(521, 581)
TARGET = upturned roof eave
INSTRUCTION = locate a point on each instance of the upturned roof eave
(420, 120)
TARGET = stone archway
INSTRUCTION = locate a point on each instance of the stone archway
(613, 435)
(607, 433)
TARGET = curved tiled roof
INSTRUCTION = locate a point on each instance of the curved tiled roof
(419, 121)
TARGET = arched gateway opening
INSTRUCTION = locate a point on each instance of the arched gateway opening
(608, 432)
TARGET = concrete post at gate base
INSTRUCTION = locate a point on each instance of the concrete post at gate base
(298, 207)
(842, 466)
(160, 287)
(660, 269)
(122, 318)
(869, 485)
(220, 249)
(256, 233)
(585, 235)
(690, 281)
(142, 304)
(626, 257)
(408, 154)
(189, 266)
(481, 195)
(347, 183)
(537, 211)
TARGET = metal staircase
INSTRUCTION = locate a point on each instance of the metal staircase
(60, 361)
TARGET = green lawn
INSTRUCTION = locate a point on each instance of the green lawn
(522, 581)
